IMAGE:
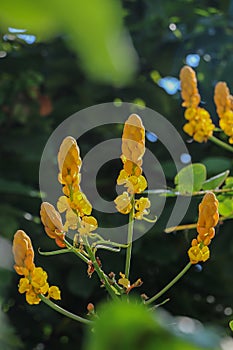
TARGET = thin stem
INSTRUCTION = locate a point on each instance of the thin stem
(129, 241)
(55, 252)
(63, 311)
(75, 251)
(180, 228)
(221, 143)
(191, 226)
(169, 285)
(98, 270)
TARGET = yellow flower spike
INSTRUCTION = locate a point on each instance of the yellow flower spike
(189, 90)
(52, 222)
(69, 161)
(123, 203)
(199, 125)
(208, 217)
(23, 253)
(54, 293)
(224, 105)
(88, 225)
(222, 98)
(207, 220)
(133, 142)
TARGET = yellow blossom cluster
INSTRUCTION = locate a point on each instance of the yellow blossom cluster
(34, 283)
(74, 202)
(199, 125)
(224, 104)
(207, 220)
(133, 149)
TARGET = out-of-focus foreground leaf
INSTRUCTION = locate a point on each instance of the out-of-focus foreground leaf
(94, 29)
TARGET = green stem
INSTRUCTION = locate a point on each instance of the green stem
(129, 241)
(221, 143)
(98, 270)
(55, 252)
(169, 285)
(76, 252)
(63, 311)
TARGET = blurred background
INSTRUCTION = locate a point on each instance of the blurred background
(57, 58)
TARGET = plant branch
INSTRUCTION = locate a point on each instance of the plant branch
(169, 285)
(129, 241)
(63, 311)
(221, 143)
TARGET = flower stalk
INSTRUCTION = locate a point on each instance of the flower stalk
(169, 285)
(63, 311)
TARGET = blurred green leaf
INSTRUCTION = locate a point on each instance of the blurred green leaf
(190, 178)
(125, 326)
(217, 164)
(95, 30)
(215, 181)
(18, 188)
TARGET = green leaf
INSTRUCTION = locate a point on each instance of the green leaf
(231, 325)
(226, 207)
(190, 179)
(95, 30)
(229, 182)
(215, 181)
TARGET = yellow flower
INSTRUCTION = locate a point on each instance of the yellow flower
(123, 203)
(134, 184)
(54, 293)
(32, 298)
(39, 280)
(52, 222)
(23, 253)
(198, 254)
(88, 224)
(81, 204)
(24, 285)
(141, 206)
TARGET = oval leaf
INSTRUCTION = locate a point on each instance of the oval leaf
(215, 181)
(190, 178)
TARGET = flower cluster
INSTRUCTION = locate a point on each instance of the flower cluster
(199, 125)
(34, 283)
(224, 105)
(207, 220)
(76, 205)
(133, 149)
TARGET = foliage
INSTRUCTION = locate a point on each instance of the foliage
(51, 70)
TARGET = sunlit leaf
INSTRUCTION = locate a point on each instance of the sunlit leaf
(215, 181)
(190, 178)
